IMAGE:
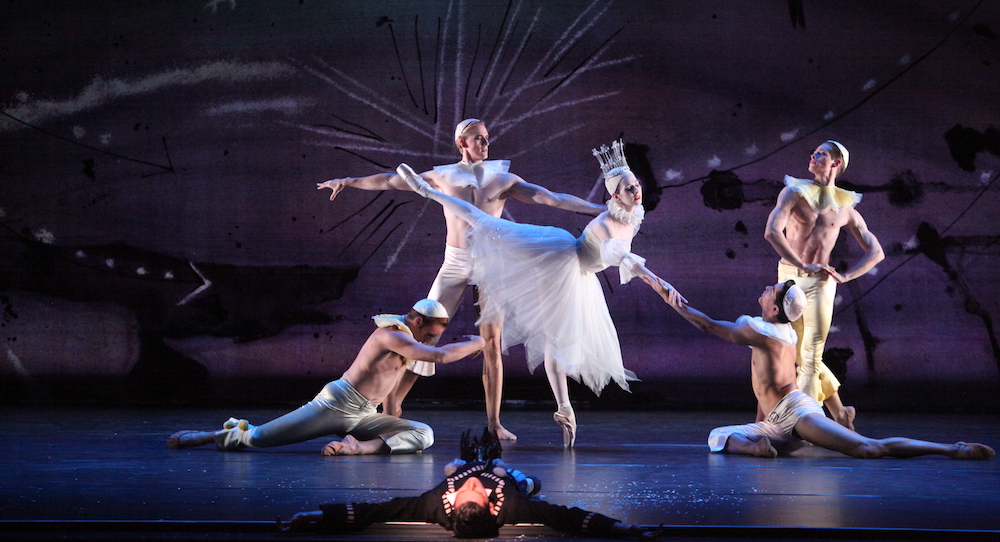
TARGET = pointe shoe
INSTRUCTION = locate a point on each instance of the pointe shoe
(414, 181)
(566, 420)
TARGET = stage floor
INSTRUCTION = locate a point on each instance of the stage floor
(87, 473)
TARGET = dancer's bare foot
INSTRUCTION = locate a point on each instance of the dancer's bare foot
(972, 450)
(352, 446)
(189, 439)
(503, 433)
(759, 447)
(848, 420)
(763, 448)
(348, 446)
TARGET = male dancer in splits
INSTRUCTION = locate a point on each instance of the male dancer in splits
(487, 185)
(347, 407)
(803, 229)
(793, 417)
(478, 495)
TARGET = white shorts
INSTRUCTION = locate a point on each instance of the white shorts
(779, 427)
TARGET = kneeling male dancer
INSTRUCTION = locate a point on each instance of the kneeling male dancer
(347, 407)
(793, 417)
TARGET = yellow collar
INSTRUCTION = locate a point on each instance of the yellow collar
(823, 198)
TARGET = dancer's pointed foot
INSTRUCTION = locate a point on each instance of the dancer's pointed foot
(189, 439)
(566, 419)
(413, 180)
(502, 432)
(974, 451)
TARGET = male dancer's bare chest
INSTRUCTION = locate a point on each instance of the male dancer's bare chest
(812, 224)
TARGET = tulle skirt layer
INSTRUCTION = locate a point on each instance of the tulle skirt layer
(530, 279)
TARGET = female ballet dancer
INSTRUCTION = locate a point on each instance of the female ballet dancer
(539, 282)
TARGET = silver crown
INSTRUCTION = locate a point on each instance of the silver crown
(612, 160)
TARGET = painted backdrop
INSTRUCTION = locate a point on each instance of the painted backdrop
(159, 217)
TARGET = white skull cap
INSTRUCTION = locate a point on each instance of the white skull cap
(430, 308)
(843, 153)
(463, 126)
(794, 303)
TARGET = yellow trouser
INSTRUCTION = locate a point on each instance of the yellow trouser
(814, 377)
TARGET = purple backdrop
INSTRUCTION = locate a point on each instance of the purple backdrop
(152, 148)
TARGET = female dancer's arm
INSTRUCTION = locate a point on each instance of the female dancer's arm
(613, 249)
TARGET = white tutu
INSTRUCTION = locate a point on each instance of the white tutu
(539, 282)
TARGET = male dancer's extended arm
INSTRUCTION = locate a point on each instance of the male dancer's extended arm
(405, 346)
(730, 331)
(379, 181)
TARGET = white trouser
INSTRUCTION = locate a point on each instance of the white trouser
(337, 409)
(448, 288)
(779, 427)
(815, 379)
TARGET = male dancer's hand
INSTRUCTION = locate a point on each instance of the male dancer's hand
(300, 521)
(621, 530)
(481, 340)
(666, 291)
(830, 270)
(337, 185)
(813, 268)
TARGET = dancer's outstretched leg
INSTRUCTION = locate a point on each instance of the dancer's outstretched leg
(462, 209)
(823, 431)
(564, 416)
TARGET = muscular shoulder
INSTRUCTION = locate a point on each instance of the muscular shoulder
(508, 180)
(390, 338)
(433, 178)
(789, 199)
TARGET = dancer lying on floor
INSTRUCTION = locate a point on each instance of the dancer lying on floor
(347, 407)
(478, 495)
(793, 418)
(540, 282)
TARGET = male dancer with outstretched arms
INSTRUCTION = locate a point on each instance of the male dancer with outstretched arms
(487, 184)
(792, 417)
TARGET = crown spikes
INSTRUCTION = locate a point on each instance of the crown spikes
(611, 159)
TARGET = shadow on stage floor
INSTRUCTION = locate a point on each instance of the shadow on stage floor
(99, 473)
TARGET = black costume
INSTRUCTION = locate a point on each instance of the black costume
(435, 506)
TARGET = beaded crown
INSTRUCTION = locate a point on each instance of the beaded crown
(612, 160)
